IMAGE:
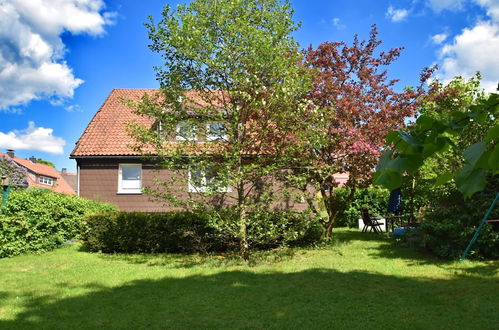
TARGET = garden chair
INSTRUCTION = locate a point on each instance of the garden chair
(370, 223)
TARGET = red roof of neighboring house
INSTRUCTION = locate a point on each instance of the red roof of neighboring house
(61, 186)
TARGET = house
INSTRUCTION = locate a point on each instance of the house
(109, 170)
(70, 178)
(41, 175)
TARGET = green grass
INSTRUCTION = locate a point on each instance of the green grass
(361, 281)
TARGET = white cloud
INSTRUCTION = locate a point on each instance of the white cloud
(439, 5)
(337, 23)
(33, 138)
(475, 49)
(32, 62)
(492, 7)
(396, 15)
(439, 38)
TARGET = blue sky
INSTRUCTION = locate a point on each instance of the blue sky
(59, 59)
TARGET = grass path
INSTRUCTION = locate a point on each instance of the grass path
(359, 281)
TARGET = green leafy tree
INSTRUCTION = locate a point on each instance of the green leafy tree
(45, 162)
(232, 78)
(455, 138)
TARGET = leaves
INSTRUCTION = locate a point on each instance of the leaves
(470, 180)
(492, 134)
(474, 152)
(407, 153)
(444, 178)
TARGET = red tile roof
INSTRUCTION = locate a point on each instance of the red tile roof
(106, 134)
(61, 186)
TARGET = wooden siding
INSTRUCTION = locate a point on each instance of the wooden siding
(99, 181)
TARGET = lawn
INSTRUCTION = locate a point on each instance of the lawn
(358, 281)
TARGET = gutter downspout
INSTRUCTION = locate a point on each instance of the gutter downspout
(77, 179)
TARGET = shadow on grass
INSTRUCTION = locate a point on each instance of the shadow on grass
(316, 298)
(389, 248)
(172, 260)
(346, 236)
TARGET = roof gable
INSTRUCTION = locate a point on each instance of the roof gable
(106, 134)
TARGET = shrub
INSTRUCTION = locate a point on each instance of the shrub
(14, 172)
(375, 198)
(39, 220)
(450, 222)
(270, 229)
(184, 231)
(146, 232)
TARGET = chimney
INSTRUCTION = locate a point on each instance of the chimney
(32, 159)
(11, 153)
(64, 171)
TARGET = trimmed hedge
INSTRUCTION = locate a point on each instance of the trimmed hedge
(187, 232)
(40, 220)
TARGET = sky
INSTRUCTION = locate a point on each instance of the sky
(59, 59)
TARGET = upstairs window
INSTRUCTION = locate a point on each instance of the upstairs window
(216, 131)
(130, 179)
(46, 180)
(186, 132)
(206, 181)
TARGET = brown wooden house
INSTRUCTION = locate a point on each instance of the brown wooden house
(109, 170)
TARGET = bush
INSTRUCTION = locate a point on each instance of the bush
(270, 229)
(184, 231)
(146, 232)
(376, 200)
(450, 222)
(14, 172)
(40, 220)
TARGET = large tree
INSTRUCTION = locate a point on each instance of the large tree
(456, 136)
(353, 106)
(232, 75)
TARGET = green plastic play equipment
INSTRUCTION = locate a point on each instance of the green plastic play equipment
(479, 229)
(5, 182)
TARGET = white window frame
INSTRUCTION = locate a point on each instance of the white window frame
(46, 180)
(192, 188)
(181, 138)
(212, 137)
(121, 189)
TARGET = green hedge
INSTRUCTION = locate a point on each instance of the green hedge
(40, 220)
(193, 232)
(450, 222)
(376, 200)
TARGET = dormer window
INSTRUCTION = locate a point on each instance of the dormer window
(46, 180)
(186, 132)
(206, 180)
(216, 131)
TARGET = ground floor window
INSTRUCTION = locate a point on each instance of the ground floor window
(130, 179)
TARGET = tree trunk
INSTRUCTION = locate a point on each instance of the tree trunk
(243, 222)
(334, 208)
(243, 232)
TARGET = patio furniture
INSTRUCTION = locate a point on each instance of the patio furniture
(370, 223)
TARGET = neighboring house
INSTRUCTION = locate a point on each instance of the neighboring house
(70, 178)
(109, 170)
(41, 175)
